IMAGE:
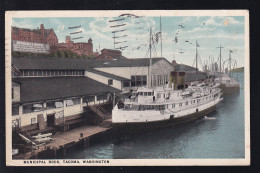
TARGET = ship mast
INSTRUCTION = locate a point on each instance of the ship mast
(196, 59)
(150, 66)
(230, 62)
(220, 59)
(161, 34)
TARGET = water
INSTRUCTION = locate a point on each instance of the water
(219, 137)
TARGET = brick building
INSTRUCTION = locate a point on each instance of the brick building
(39, 35)
(80, 48)
(110, 54)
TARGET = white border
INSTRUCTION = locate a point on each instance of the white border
(128, 162)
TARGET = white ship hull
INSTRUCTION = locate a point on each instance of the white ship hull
(124, 116)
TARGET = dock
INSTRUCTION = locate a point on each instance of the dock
(83, 136)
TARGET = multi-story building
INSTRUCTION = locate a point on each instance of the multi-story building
(39, 35)
(80, 48)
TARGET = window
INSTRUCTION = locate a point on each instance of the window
(186, 103)
(132, 80)
(15, 110)
(30, 72)
(88, 99)
(180, 104)
(12, 93)
(145, 93)
(54, 104)
(110, 82)
(32, 108)
(138, 80)
(126, 84)
(144, 80)
(102, 97)
(33, 120)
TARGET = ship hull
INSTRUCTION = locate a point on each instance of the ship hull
(120, 129)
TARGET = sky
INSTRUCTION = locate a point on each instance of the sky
(209, 31)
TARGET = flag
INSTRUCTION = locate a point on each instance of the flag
(197, 44)
(16, 70)
(157, 35)
(231, 51)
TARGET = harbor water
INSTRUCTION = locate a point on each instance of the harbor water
(220, 135)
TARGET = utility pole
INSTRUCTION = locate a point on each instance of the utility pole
(114, 41)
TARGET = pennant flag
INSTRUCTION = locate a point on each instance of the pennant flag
(197, 44)
(16, 70)
(157, 35)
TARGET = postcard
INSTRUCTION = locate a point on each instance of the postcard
(127, 88)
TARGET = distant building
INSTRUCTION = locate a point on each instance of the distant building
(183, 75)
(41, 35)
(110, 54)
(80, 48)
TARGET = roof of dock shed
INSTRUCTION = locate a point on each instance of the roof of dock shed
(35, 89)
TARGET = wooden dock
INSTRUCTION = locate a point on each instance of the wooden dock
(63, 140)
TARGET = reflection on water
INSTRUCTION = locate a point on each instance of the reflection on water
(218, 135)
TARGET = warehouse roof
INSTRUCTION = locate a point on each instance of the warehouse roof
(112, 76)
(30, 62)
(35, 89)
(137, 62)
(184, 68)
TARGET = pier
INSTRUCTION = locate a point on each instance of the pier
(83, 137)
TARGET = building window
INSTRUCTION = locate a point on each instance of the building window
(88, 99)
(12, 93)
(102, 97)
(30, 72)
(186, 103)
(33, 120)
(32, 108)
(138, 80)
(110, 82)
(15, 110)
(132, 81)
(54, 104)
(72, 101)
(126, 84)
(180, 104)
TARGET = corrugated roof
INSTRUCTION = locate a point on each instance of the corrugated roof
(46, 88)
(184, 68)
(77, 64)
(112, 76)
(50, 63)
(137, 62)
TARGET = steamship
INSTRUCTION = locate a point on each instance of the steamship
(151, 107)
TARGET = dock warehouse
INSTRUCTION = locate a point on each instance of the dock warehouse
(133, 72)
(49, 92)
